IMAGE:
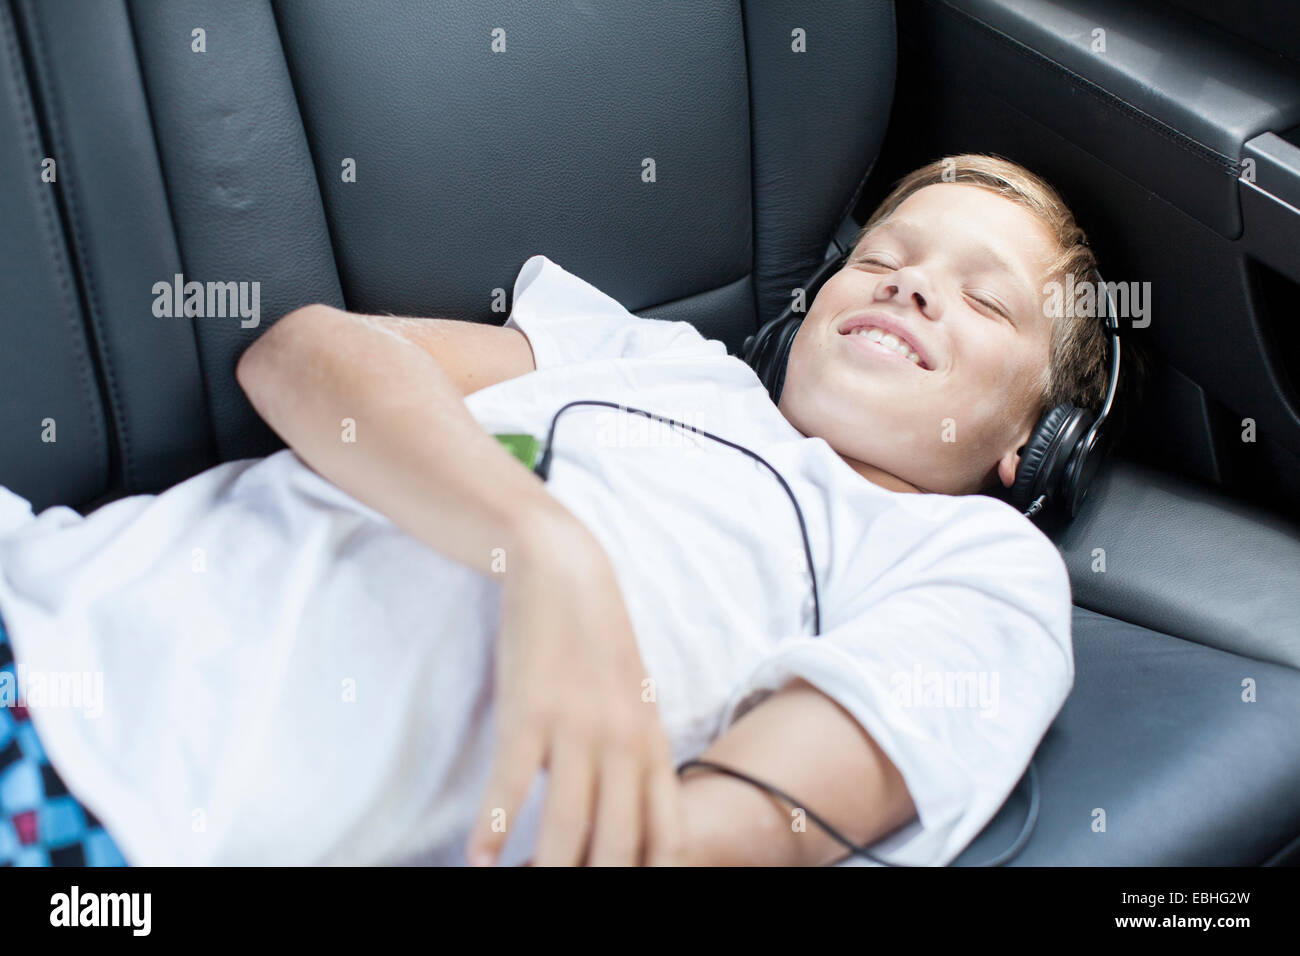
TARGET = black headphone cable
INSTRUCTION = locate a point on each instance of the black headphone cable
(1031, 818)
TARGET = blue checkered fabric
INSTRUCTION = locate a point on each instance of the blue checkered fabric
(41, 823)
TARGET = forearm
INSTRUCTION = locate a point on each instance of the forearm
(412, 452)
(804, 744)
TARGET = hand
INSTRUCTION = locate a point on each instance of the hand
(569, 698)
(705, 818)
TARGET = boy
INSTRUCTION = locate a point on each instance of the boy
(363, 648)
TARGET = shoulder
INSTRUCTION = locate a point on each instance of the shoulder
(569, 320)
(980, 522)
(989, 546)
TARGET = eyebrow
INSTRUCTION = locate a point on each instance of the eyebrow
(986, 253)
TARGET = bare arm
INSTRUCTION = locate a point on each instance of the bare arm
(803, 743)
(418, 457)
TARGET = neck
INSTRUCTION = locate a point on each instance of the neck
(878, 476)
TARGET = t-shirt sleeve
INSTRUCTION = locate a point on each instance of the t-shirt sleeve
(567, 321)
(956, 674)
(15, 511)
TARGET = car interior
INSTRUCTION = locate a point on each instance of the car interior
(406, 157)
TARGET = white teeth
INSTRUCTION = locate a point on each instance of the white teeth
(889, 339)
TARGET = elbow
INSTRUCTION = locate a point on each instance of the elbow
(246, 369)
(257, 364)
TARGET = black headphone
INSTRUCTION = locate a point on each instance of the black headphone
(1063, 451)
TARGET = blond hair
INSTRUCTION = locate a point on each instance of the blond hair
(1076, 370)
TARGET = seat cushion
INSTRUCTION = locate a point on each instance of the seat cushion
(1174, 555)
(1160, 735)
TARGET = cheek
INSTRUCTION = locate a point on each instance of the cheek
(821, 391)
(993, 363)
(998, 386)
(810, 363)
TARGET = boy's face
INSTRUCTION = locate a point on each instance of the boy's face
(930, 271)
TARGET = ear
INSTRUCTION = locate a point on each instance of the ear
(1007, 467)
(1009, 463)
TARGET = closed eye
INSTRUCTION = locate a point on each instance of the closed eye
(991, 306)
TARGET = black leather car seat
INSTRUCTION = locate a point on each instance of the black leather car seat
(685, 158)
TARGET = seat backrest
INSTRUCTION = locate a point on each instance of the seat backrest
(692, 160)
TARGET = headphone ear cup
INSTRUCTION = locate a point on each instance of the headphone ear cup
(1090, 449)
(781, 355)
(1035, 473)
(769, 350)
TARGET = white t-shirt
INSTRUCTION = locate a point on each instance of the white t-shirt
(287, 677)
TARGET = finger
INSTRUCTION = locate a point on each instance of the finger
(665, 817)
(562, 839)
(519, 757)
(616, 839)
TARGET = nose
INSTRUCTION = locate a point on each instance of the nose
(910, 285)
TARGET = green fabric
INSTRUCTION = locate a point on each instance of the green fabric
(523, 447)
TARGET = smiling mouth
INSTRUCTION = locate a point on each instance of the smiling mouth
(888, 343)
